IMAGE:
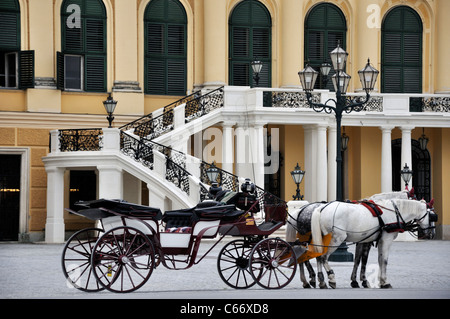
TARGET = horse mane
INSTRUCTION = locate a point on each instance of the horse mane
(382, 196)
(413, 207)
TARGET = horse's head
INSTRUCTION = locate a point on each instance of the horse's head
(427, 221)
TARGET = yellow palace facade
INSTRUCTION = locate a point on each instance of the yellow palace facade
(60, 59)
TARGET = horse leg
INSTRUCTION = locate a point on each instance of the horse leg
(322, 283)
(364, 257)
(330, 272)
(383, 253)
(358, 255)
(312, 274)
(302, 276)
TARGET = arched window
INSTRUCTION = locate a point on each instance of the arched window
(250, 33)
(16, 67)
(82, 62)
(325, 27)
(401, 38)
(165, 27)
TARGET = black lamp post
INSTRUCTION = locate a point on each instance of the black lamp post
(297, 175)
(256, 67)
(406, 174)
(110, 106)
(368, 76)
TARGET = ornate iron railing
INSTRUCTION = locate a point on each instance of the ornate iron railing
(429, 104)
(197, 105)
(204, 104)
(138, 150)
(177, 175)
(80, 140)
(287, 99)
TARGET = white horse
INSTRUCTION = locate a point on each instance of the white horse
(362, 249)
(354, 223)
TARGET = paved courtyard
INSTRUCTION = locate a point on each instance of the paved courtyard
(416, 270)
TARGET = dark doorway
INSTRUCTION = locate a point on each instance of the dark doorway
(83, 186)
(10, 167)
(421, 167)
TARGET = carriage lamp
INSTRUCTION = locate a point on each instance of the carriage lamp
(406, 174)
(297, 175)
(212, 172)
(256, 67)
(110, 106)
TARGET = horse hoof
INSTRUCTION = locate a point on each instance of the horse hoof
(332, 285)
(313, 284)
(365, 284)
(354, 284)
(306, 286)
(386, 286)
(323, 286)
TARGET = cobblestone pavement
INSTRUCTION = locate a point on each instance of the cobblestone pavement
(418, 270)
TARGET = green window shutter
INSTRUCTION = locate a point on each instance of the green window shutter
(26, 69)
(165, 26)
(60, 70)
(94, 69)
(401, 39)
(325, 27)
(250, 36)
(89, 41)
(9, 25)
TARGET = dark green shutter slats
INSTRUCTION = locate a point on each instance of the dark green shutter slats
(250, 28)
(26, 69)
(401, 51)
(60, 70)
(325, 27)
(165, 48)
(94, 67)
(9, 25)
(88, 41)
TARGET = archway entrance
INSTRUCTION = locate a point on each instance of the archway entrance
(421, 167)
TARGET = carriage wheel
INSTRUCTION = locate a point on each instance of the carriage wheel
(273, 263)
(123, 259)
(233, 262)
(76, 260)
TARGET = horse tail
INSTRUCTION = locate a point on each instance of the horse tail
(291, 231)
(316, 231)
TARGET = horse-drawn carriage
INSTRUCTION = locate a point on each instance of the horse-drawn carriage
(132, 240)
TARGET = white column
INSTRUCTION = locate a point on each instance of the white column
(257, 154)
(54, 226)
(227, 147)
(386, 159)
(322, 163)
(406, 151)
(310, 163)
(110, 182)
(332, 168)
(242, 156)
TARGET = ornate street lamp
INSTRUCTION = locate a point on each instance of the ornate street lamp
(212, 172)
(368, 76)
(110, 106)
(256, 67)
(406, 174)
(297, 175)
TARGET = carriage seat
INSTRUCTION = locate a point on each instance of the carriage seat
(177, 219)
